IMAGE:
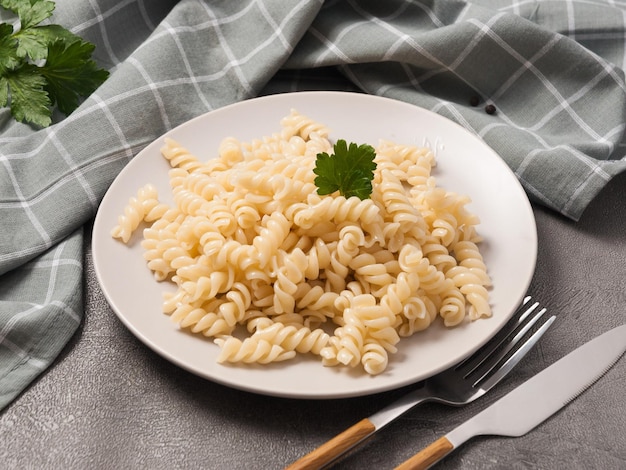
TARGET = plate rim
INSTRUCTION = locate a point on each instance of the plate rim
(138, 333)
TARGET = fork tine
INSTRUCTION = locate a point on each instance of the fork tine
(471, 363)
(517, 356)
(491, 359)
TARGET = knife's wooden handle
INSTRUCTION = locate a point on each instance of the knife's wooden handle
(428, 456)
(332, 449)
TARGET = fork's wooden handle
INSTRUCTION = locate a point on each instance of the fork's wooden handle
(428, 456)
(333, 448)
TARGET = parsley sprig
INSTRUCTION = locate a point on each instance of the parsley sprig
(349, 170)
(42, 66)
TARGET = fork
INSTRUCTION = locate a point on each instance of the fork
(459, 385)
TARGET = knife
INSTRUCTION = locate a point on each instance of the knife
(535, 400)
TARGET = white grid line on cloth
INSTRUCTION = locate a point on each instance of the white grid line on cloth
(413, 80)
(53, 266)
(546, 147)
(53, 270)
(402, 7)
(617, 131)
(573, 151)
(228, 51)
(322, 57)
(509, 123)
(610, 68)
(155, 92)
(581, 93)
(524, 67)
(480, 34)
(13, 138)
(144, 14)
(27, 252)
(103, 30)
(516, 6)
(19, 352)
(46, 264)
(396, 14)
(402, 38)
(278, 30)
(571, 20)
(542, 78)
(623, 64)
(73, 167)
(23, 155)
(208, 24)
(395, 46)
(410, 42)
(429, 12)
(329, 45)
(493, 125)
(352, 77)
(277, 33)
(67, 310)
(455, 112)
(192, 77)
(392, 29)
(205, 25)
(572, 200)
(463, 12)
(100, 17)
(27, 210)
(116, 126)
(9, 326)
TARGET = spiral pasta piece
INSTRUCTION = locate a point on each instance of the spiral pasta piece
(179, 156)
(251, 350)
(293, 338)
(136, 211)
(338, 209)
(297, 124)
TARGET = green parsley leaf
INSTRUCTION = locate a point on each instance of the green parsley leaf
(8, 57)
(33, 42)
(30, 12)
(43, 65)
(71, 73)
(350, 170)
(29, 100)
(4, 92)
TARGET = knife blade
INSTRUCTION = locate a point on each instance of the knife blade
(535, 400)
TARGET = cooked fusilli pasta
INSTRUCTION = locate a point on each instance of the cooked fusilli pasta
(252, 247)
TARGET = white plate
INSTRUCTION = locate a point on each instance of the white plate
(464, 165)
